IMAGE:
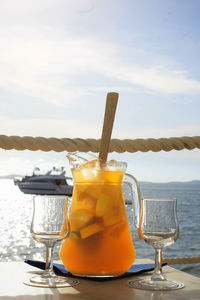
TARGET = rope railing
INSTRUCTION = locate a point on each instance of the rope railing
(181, 260)
(86, 145)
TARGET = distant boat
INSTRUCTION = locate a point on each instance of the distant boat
(54, 182)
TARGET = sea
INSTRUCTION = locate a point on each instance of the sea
(16, 243)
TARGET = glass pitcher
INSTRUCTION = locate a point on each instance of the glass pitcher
(100, 243)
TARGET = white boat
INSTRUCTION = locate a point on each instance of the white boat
(54, 182)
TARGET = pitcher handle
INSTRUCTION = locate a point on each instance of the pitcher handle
(133, 185)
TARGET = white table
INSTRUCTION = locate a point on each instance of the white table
(12, 275)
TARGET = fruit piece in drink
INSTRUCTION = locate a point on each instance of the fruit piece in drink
(117, 229)
(90, 189)
(75, 235)
(87, 203)
(103, 205)
(80, 218)
(91, 230)
(112, 218)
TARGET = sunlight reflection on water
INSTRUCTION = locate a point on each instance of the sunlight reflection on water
(16, 213)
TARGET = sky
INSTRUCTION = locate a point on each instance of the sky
(59, 59)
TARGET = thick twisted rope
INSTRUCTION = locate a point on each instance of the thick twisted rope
(86, 145)
(181, 260)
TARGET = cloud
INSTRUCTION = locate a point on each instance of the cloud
(72, 128)
(161, 80)
(46, 66)
(14, 164)
(43, 63)
(75, 128)
(158, 132)
(46, 92)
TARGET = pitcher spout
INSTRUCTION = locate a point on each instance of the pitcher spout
(75, 159)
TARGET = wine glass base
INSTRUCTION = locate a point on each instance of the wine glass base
(163, 285)
(55, 282)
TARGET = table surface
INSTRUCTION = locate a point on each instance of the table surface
(12, 275)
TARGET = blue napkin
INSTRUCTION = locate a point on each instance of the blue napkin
(60, 269)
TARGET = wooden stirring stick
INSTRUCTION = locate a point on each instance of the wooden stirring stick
(111, 104)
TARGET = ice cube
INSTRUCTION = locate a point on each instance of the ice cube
(89, 173)
(116, 165)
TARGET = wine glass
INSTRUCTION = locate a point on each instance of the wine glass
(49, 226)
(158, 227)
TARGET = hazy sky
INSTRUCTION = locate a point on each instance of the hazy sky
(59, 59)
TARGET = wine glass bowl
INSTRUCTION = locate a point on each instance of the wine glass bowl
(49, 226)
(158, 227)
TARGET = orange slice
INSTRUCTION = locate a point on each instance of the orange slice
(91, 230)
(117, 229)
(112, 218)
(103, 205)
(80, 218)
(89, 164)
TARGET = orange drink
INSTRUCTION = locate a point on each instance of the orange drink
(100, 243)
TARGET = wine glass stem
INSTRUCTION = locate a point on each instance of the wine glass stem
(157, 275)
(47, 258)
(49, 266)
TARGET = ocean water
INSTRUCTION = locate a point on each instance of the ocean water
(16, 243)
